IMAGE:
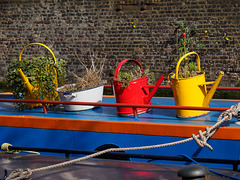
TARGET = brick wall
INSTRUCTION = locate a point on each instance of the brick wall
(115, 30)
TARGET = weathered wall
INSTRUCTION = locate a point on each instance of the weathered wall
(73, 29)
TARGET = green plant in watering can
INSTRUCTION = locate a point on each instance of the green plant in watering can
(133, 74)
(41, 73)
(185, 36)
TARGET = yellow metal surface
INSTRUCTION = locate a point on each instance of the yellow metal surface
(30, 89)
(212, 90)
(25, 81)
(192, 91)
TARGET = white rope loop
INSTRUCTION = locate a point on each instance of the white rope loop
(203, 140)
(19, 174)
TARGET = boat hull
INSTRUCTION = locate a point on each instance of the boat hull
(101, 126)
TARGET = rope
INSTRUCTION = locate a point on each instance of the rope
(209, 132)
(200, 139)
(19, 174)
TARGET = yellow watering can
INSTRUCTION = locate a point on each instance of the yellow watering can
(31, 90)
(192, 91)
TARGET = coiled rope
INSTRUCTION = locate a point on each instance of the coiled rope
(200, 139)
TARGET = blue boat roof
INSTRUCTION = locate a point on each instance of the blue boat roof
(166, 116)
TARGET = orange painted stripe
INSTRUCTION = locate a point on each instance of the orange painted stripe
(141, 128)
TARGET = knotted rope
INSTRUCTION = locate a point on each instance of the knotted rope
(19, 174)
(209, 132)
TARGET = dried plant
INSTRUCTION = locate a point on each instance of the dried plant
(92, 76)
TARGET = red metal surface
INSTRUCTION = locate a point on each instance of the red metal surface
(169, 87)
(148, 106)
(156, 86)
(135, 92)
(44, 108)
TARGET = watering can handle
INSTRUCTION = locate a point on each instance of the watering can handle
(21, 73)
(169, 78)
(40, 45)
(65, 94)
(122, 62)
(182, 58)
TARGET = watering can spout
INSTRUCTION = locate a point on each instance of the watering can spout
(210, 94)
(155, 88)
(26, 81)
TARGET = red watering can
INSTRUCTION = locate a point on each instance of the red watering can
(136, 92)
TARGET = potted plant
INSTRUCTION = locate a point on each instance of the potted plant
(87, 88)
(185, 38)
(35, 78)
(191, 90)
(188, 83)
(132, 87)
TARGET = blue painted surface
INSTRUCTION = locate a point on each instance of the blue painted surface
(110, 113)
(62, 139)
